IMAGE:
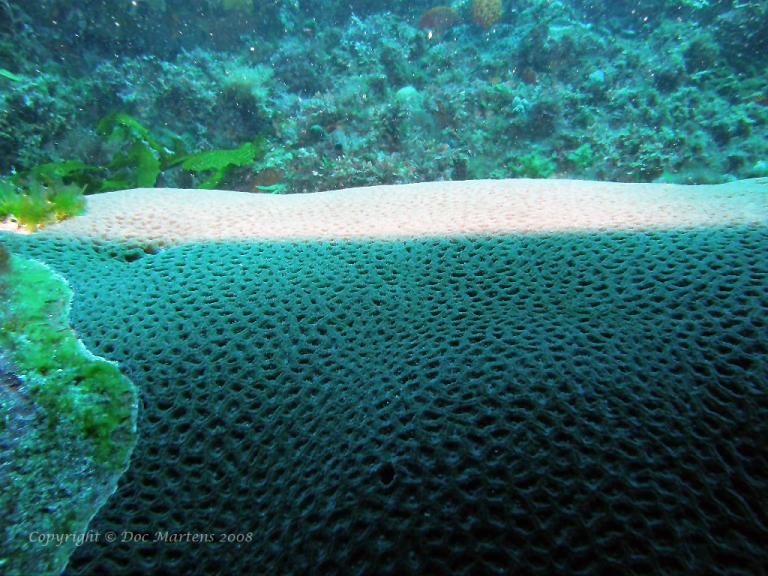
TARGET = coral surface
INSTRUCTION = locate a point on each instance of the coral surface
(556, 400)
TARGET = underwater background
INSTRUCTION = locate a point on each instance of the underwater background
(493, 375)
(347, 93)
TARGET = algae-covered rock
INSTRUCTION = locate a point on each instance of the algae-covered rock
(67, 423)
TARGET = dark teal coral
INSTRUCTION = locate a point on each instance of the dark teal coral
(573, 404)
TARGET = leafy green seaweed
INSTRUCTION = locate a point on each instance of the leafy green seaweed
(38, 204)
(87, 176)
(140, 157)
(582, 158)
(534, 165)
(220, 162)
(9, 75)
(124, 127)
(53, 191)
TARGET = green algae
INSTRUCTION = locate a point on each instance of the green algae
(69, 422)
(37, 204)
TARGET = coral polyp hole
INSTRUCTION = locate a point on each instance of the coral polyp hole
(387, 474)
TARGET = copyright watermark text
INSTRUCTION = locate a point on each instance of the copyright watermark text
(125, 536)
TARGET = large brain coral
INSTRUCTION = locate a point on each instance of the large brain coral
(466, 378)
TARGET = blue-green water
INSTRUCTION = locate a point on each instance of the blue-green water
(362, 92)
(554, 403)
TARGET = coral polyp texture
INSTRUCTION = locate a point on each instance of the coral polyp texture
(486, 13)
(68, 424)
(507, 377)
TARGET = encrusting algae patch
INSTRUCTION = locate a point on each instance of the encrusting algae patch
(67, 422)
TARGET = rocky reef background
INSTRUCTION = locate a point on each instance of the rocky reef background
(365, 92)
